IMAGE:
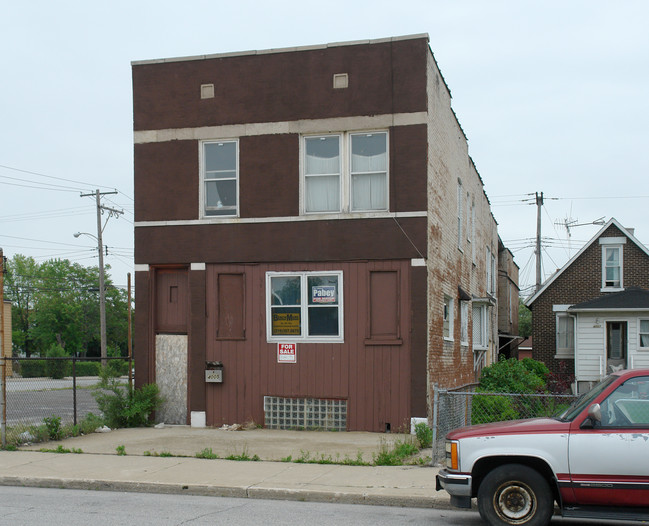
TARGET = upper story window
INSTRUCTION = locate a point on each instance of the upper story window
(612, 263)
(346, 172)
(304, 306)
(612, 267)
(220, 177)
(447, 321)
(480, 326)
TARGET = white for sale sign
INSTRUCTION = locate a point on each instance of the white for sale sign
(286, 353)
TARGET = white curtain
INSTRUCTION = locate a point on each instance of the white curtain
(322, 193)
(369, 192)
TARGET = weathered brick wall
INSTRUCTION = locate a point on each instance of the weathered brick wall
(451, 264)
(507, 292)
(581, 281)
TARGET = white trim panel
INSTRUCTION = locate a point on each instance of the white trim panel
(141, 267)
(307, 126)
(287, 219)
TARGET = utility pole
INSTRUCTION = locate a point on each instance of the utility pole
(100, 249)
(539, 204)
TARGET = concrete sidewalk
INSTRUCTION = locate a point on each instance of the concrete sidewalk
(143, 470)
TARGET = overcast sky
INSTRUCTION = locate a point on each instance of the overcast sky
(553, 97)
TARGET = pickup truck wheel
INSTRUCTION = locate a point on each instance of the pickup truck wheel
(514, 494)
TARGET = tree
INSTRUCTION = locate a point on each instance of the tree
(57, 303)
(524, 320)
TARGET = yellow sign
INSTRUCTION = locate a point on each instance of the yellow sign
(286, 323)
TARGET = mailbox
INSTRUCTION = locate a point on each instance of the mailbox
(214, 372)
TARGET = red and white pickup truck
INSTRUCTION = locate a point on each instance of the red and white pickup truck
(592, 460)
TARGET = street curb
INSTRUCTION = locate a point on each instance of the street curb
(304, 495)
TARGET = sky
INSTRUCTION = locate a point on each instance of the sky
(553, 97)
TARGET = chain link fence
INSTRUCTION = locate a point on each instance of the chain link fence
(36, 390)
(464, 406)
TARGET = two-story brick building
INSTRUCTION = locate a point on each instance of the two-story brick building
(313, 244)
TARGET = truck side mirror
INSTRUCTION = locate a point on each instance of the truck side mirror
(594, 417)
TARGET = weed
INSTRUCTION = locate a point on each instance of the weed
(125, 406)
(358, 461)
(121, 450)
(11, 447)
(207, 453)
(60, 449)
(53, 425)
(424, 435)
(166, 454)
(287, 459)
(395, 455)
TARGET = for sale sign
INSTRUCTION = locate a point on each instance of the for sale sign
(286, 353)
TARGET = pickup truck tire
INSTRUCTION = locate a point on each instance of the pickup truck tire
(514, 494)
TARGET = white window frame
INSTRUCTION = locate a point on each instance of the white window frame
(346, 175)
(203, 180)
(564, 352)
(448, 315)
(304, 308)
(490, 263)
(464, 323)
(620, 286)
(641, 333)
(482, 344)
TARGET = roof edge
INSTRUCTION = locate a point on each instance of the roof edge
(282, 50)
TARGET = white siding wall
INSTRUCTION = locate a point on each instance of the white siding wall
(590, 360)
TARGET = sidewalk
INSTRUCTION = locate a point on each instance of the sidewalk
(99, 467)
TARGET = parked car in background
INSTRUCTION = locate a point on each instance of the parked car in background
(592, 459)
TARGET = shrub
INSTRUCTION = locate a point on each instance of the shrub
(57, 368)
(32, 368)
(488, 408)
(514, 376)
(124, 406)
(87, 368)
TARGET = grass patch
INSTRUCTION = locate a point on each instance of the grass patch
(121, 450)
(207, 453)
(60, 449)
(395, 455)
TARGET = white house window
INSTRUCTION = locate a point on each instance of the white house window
(643, 333)
(565, 336)
(219, 171)
(448, 318)
(464, 322)
(611, 267)
(346, 172)
(480, 334)
(304, 306)
(322, 173)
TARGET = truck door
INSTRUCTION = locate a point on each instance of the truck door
(609, 463)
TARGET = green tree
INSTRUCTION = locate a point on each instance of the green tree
(524, 320)
(57, 303)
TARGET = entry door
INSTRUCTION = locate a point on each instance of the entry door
(616, 342)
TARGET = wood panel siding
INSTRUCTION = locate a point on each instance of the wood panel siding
(172, 301)
(374, 379)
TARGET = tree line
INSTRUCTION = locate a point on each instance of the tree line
(56, 303)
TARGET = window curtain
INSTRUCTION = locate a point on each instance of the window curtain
(322, 174)
(369, 171)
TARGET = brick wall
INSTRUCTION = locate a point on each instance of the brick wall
(451, 263)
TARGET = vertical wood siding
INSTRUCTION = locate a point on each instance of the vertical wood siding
(373, 378)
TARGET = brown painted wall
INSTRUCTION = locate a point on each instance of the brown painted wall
(335, 240)
(375, 379)
(383, 78)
